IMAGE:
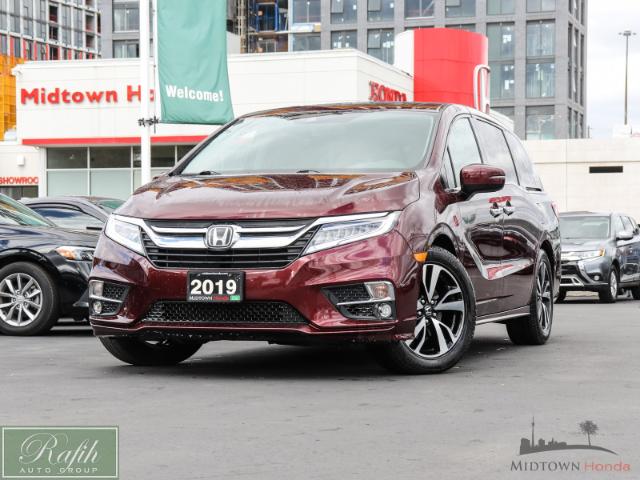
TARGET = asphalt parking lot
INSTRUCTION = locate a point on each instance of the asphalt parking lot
(250, 410)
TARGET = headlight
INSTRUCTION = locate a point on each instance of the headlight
(586, 255)
(347, 231)
(124, 231)
(80, 254)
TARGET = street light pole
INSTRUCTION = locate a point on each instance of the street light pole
(145, 103)
(626, 34)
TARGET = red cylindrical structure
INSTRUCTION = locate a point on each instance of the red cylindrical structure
(444, 64)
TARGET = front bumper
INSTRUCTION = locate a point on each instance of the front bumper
(586, 275)
(299, 285)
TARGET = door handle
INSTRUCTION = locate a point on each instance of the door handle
(496, 211)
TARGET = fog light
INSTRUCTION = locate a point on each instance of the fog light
(97, 307)
(385, 310)
(596, 277)
(96, 288)
(380, 290)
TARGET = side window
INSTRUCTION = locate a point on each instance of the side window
(634, 224)
(68, 218)
(496, 149)
(462, 147)
(617, 225)
(629, 226)
(524, 166)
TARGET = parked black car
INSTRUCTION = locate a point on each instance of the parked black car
(44, 270)
(76, 212)
(600, 253)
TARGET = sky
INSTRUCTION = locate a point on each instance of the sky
(605, 65)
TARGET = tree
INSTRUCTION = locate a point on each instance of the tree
(588, 428)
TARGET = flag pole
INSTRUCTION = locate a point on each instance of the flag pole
(145, 103)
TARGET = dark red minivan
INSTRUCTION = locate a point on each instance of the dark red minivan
(400, 225)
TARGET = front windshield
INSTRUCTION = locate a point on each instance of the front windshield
(109, 205)
(584, 228)
(15, 213)
(373, 140)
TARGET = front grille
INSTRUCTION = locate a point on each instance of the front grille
(568, 269)
(261, 258)
(360, 311)
(223, 313)
(109, 308)
(349, 293)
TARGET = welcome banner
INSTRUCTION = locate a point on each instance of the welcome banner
(192, 62)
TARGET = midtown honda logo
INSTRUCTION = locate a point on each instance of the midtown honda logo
(57, 96)
(529, 446)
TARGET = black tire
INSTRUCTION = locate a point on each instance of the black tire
(635, 292)
(561, 296)
(48, 314)
(533, 329)
(399, 357)
(607, 295)
(142, 353)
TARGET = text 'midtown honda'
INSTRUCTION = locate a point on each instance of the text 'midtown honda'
(401, 225)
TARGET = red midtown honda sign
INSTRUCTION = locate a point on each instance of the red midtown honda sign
(57, 96)
(382, 93)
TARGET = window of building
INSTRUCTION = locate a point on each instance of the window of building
(77, 28)
(502, 80)
(380, 44)
(16, 45)
(4, 45)
(344, 39)
(541, 38)
(344, 11)
(41, 19)
(14, 16)
(28, 50)
(541, 5)
(110, 157)
(541, 79)
(27, 18)
(500, 7)
(305, 41)
(573, 8)
(126, 49)
(380, 10)
(418, 8)
(306, 11)
(125, 17)
(501, 40)
(469, 27)
(540, 123)
(509, 112)
(460, 8)
(496, 150)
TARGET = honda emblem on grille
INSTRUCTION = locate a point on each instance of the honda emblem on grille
(221, 236)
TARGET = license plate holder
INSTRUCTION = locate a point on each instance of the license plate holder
(218, 287)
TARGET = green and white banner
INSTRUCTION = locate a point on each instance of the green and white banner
(192, 61)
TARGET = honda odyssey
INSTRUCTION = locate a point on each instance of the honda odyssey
(399, 225)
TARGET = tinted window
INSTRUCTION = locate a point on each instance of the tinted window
(584, 227)
(462, 146)
(68, 218)
(526, 172)
(447, 171)
(329, 141)
(15, 213)
(617, 224)
(628, 226)
(108, 205)
(496, 150)
(634, 224)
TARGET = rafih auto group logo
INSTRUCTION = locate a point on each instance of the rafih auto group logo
(561, 462)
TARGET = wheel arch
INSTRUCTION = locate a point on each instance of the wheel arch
(25, 255)
(443, 237)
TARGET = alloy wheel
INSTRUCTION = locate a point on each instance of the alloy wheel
(441, 313)
(20, 299)
(544, 298)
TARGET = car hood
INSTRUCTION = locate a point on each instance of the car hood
(272, 196)
(56, 236)
(576, 245)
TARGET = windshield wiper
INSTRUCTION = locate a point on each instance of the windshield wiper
(202, 173)
(308, 171)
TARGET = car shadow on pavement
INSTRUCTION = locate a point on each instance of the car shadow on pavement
(310, 362)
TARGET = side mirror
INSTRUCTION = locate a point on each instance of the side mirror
(481, 178)
(624, 235)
